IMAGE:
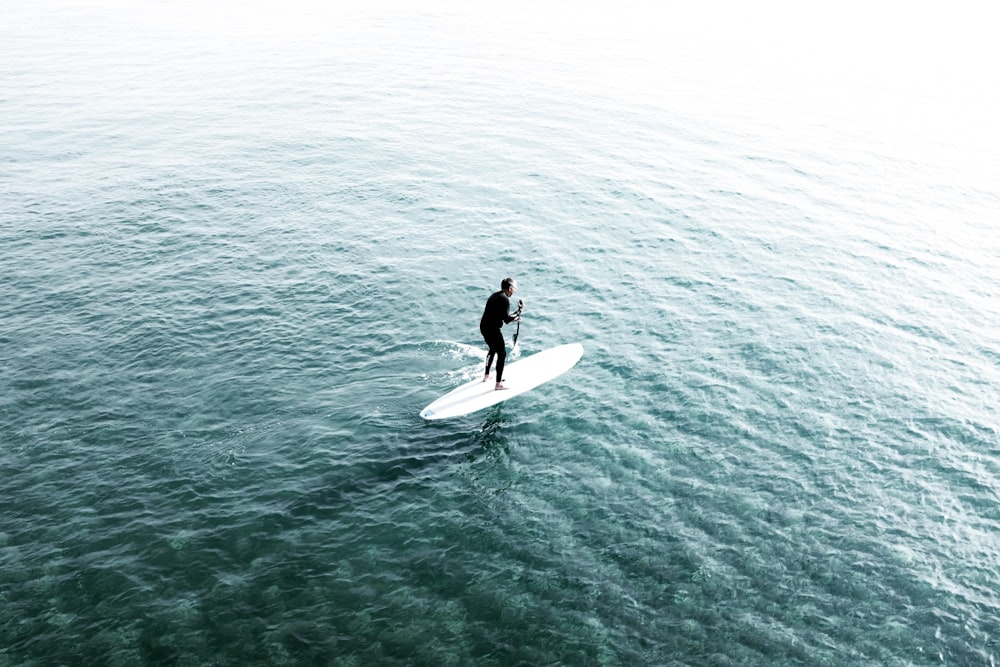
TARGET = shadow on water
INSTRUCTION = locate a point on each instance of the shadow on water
(432, 452)
(487, 466)
(491, 438)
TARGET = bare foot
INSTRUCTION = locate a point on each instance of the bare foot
(500, 386)
(486, 378)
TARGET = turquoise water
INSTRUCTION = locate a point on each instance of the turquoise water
(244, 246)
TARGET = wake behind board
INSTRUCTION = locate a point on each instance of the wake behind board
(519, 377)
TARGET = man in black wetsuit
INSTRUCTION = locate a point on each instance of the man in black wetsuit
(495, 315)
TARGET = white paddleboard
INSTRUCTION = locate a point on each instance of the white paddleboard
(519, 377)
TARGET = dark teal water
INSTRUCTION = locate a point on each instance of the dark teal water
(243, 247)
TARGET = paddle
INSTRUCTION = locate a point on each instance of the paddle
(520, 307)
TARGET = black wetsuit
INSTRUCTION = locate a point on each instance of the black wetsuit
(495, 315)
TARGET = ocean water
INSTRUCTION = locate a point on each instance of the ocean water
(244, 244)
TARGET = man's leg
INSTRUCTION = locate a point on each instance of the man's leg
(489, 363)
(498, 349)
(501, 357)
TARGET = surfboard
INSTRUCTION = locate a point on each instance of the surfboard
(520, 376)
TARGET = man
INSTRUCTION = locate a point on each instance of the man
(495, 315)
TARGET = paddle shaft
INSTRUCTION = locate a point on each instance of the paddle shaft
(520, 306)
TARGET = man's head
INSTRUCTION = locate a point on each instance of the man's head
(508, 286)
